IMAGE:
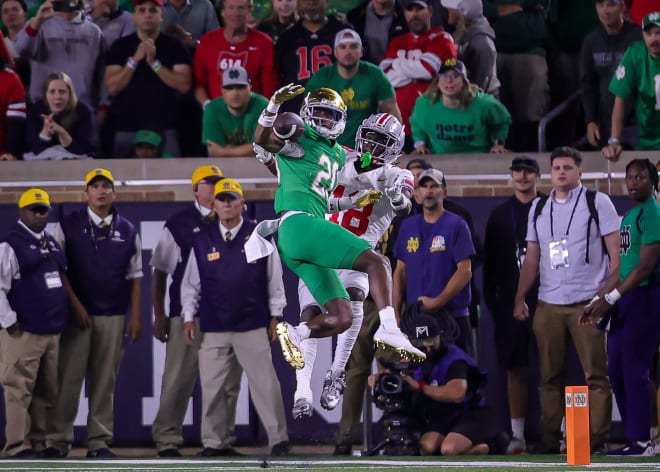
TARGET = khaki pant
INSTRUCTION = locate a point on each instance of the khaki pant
(554, 326)
(179, 376)
(358, 370)
(252, 350)
(93, 354)
(28, 373)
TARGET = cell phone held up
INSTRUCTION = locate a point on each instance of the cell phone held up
(65, 6)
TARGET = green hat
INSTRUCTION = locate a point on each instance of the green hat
(652, 19)
(148, 137)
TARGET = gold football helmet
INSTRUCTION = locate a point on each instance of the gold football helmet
(325, 111)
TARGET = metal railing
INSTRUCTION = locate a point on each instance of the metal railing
(551, 116)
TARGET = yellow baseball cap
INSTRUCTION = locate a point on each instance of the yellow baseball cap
(35, 197)
(209, 173)
(99, 172)
(229, 186)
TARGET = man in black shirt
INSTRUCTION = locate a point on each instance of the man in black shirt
(505, 245)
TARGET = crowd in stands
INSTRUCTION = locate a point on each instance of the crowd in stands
(156, 65)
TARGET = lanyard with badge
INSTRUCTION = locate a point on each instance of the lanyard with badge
(559, 247)
(52, 279)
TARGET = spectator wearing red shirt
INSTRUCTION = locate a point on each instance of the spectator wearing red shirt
(231, 46)
(12, 108)
(413, 59)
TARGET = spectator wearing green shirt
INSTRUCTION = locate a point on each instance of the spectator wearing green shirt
(363, 86)
(230, 120)
(454, 116)
(636, 78)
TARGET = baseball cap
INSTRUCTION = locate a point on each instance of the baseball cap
(228, 186)
(210, 174)
(652, 19)
(435, 175)
(421, 3)
(469, 8)
(236, 75)
(99, 173)
(418, 163)
(347, 35)
(422, 329)
(33, 198)
(453, 64)
(148, 137)
(140, 2)
(525, 162)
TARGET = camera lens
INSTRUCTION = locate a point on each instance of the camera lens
(391, 383)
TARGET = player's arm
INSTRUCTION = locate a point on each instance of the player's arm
(399, 193)
(264, 135)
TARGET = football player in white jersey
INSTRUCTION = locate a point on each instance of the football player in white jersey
(379, 143)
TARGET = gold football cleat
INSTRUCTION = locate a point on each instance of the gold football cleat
(290, 349)
(403, 352)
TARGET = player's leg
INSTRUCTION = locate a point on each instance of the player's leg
(303, 397)
(357, 285)
(388, 336)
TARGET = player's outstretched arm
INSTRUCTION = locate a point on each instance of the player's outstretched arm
(264, 135)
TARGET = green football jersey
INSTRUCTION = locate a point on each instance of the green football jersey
(306, 182)
(361, 94)
(641, 225)
(638, 78)
(224, 128)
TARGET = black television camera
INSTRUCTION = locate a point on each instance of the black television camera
(390, 394)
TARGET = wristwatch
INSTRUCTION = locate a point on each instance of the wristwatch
(613, 140)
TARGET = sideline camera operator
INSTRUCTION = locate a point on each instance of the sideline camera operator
(449, 386)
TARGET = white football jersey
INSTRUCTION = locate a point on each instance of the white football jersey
(370, 222)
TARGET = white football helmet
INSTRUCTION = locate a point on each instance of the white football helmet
(324, 110)
(383, 136)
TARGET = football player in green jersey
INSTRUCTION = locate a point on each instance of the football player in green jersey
(311, 246)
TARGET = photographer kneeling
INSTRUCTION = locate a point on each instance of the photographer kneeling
(449, 386)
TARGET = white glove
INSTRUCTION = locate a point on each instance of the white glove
(394, 191)
(263, 156)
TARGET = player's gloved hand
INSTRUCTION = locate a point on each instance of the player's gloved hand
(366, 197)
(263, 156)
(360, 200)
(394, 192)
(286, 93)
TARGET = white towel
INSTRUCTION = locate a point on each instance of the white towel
(257, 246)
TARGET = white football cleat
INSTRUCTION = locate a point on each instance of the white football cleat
(394, 339)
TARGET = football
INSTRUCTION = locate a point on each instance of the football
(288, 126)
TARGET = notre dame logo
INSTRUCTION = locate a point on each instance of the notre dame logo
(451, 62)
(233, 74)
(348, 95)
(624, 236)
(413, 244)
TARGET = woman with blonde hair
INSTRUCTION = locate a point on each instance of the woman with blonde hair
(59, 126)
(283, 15)
(454, 116)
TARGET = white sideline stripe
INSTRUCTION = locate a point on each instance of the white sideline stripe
(240, 464)
(270, 180)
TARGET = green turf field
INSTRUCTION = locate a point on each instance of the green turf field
(316, 464)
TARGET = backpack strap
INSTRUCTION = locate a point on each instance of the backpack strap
(537, 211)
(590, 195)
(638, 220)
